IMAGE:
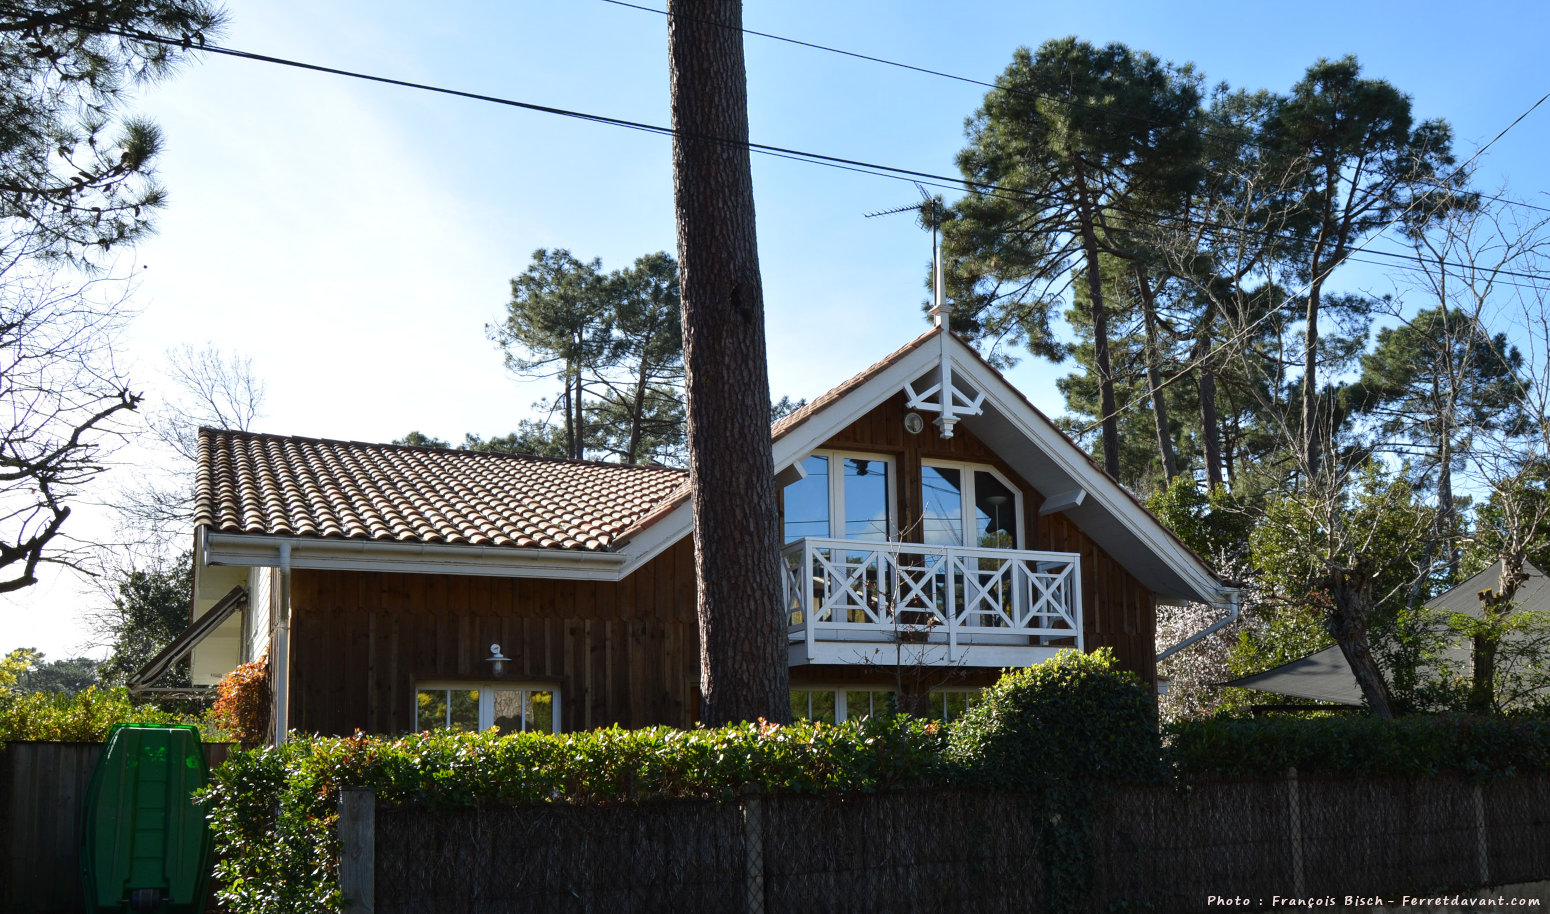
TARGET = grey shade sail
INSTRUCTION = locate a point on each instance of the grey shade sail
(1325, 676)
(1322, 676)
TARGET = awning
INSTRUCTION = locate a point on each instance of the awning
(140, 683)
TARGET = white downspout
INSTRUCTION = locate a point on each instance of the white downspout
(1218, 625)
(282, 652)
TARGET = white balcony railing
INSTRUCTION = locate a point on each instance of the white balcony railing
(1013, 603)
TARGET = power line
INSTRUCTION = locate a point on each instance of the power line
(826, 160)
(930, 179)
(1204, 132)
(855, 165)
(878, 170)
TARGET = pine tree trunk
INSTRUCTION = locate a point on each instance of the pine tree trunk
(1310, 423)
(1495, 607)
(580, 446)
(1447, 514)
(1205, 384)
(743, 672)
(637, 418)
(570, 426)
(1108, 414)
(1154, 377)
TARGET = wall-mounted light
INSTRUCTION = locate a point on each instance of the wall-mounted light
(497, 661)
(913, 423)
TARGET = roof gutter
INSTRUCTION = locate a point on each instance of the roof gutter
(1233, 608)
(248, 549)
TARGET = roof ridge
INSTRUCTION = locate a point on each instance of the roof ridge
(422, 448)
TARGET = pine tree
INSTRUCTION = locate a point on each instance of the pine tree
(743, 671)
(1079, 139)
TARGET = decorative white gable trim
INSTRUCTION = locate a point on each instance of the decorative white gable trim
(945, 397)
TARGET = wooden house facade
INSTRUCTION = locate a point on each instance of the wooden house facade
(938, 530)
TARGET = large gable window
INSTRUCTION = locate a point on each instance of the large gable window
(470, 706)
(967, 505)
(843, 496)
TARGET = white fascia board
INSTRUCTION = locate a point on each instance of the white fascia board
(655, 539)
(409, 558)
(834, 418)
(854, 653)
(1102, 492)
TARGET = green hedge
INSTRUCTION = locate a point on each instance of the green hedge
(1359, 744)
(273, 811)
(1060, 732)
(85, 717)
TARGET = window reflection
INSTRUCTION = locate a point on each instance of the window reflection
(966, 506)
(807, 501)
(857, 485)
(519, 710)
(866, 500)
(509, 710)
(995, 512)
(942, 505)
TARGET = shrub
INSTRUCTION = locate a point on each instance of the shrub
(1073, 718)
(85, 717)
(242, 702)
(1360, 744)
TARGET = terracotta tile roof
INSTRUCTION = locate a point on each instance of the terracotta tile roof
(284, 486)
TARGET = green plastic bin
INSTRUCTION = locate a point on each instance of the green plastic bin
(145, 846)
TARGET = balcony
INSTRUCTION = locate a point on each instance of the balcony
(851, 602)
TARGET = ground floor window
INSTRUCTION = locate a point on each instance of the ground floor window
(468, 706)
(835, 705)
(950, 705)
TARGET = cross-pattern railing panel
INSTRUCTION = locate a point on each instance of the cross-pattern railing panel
(851, 590)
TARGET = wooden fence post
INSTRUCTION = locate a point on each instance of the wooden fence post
(1294, 815)
(753, 850)
(358, 848)
(1482, 853)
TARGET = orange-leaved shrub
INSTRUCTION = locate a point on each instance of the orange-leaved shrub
(242, 702)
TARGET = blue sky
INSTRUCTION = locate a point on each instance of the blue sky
(354, 239)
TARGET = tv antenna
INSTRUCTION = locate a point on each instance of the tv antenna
(939, 298)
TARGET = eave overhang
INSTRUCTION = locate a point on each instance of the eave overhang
(262, 550)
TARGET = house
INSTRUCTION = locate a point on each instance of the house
(935, 521)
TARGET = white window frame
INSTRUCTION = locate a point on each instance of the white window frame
(486, 692)
(837, 490)
(939, 698)
(966, 518)
(841, 703)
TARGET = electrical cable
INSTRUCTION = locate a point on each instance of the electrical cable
(800, 155)
(1204, 132)
(862, 167)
